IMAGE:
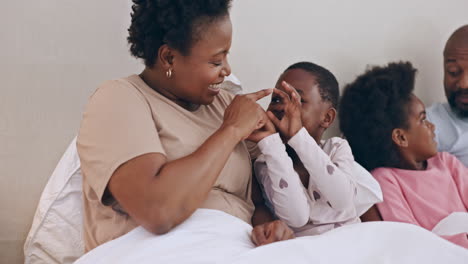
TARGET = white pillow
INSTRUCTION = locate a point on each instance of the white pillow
(232, 84)
(454, 223)
(56, 235)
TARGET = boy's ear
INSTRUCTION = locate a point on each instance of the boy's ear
(399, 137)
(329, 117)
(165, 57)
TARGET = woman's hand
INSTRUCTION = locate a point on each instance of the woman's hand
(263, 132)
(245, 115)
(291, 122)
(271, 232)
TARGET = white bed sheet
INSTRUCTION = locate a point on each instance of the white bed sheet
(210, 236)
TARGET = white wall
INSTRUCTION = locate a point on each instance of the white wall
(345, 37)
(54, 53)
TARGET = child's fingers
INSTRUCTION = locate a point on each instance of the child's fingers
(296, 99)
(273, 119)
(290, 90)
(284, 96)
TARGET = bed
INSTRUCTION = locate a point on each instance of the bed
(210, 236)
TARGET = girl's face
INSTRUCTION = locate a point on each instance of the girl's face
(420, 133)
(196, 77)
(313, 108)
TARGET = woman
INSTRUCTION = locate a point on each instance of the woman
(155, 147)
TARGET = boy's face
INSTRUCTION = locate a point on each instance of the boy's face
(420, 133)
(313, 108)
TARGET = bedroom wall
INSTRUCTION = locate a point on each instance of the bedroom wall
(54, 53)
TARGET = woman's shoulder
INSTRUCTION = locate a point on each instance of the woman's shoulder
(122, 88)
(116, 86)
(116, 94)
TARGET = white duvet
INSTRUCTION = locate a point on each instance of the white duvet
(210, 236)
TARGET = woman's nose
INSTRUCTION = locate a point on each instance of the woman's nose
(226, 71)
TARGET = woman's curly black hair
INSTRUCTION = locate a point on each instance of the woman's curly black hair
(176, 23)
(328, 85)
(371, 107)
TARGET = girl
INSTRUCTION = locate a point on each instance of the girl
(386, 126)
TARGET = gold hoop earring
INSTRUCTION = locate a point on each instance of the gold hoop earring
(169, 73)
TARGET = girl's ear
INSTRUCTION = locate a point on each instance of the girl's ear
(399, 137)
(329, 117)
(166, 57)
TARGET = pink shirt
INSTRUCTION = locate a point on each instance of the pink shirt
(425, 197)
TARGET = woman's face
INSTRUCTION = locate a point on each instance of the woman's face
(196, 77)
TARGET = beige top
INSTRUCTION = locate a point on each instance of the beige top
(124, 119)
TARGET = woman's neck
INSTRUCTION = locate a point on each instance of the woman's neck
(161, 84)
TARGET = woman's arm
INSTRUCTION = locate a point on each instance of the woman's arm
(261, 214)
(160, 195)
(266, 229)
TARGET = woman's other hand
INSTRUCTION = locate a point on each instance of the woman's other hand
(291, 121)
(245, 115)
(271, 232)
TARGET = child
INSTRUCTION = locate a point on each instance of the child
(309, 183)
(386, 126)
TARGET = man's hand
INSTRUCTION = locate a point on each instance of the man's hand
(271, 232)
(291, 122)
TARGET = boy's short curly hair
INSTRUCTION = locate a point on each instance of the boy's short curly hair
(328, 85)
(174, 22)
(371, 107)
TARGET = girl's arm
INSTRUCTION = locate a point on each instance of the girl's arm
(283, 188)
(330, 178)
(395, 208)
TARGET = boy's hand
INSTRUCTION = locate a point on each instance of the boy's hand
(271, 232)
(291, 122)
